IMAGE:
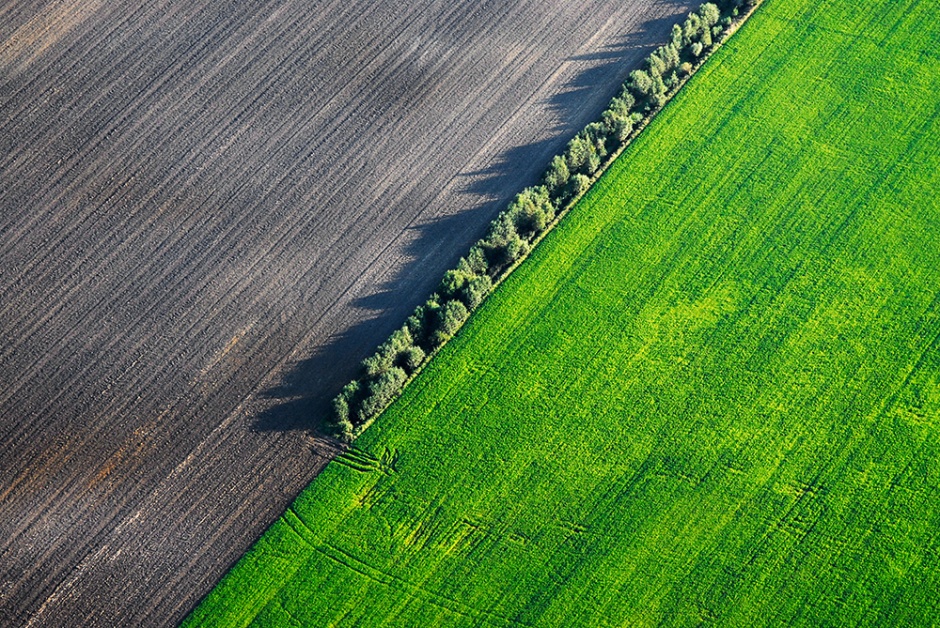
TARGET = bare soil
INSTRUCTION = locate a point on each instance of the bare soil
(209, 213)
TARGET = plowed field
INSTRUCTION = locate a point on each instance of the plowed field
(209, 212)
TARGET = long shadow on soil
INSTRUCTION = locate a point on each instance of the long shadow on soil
(304, 395)
(626, 54)
(599, 82)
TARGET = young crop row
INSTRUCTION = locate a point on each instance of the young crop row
(516, 230)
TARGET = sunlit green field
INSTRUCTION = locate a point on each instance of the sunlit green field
(711, 395)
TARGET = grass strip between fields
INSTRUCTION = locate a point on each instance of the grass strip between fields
(711, 395)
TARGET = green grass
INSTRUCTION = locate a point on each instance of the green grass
(711, 394)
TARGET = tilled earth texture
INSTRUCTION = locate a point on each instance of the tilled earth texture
(209, 213)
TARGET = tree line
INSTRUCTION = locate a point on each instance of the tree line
(513, 233)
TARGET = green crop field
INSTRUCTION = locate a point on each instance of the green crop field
(711, 395)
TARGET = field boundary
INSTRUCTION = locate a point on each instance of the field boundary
(533, 214)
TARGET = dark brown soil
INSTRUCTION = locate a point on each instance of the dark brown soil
(209, 213)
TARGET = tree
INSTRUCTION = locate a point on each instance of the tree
(710, 13)
(476, 260)
(675, 37)
(656, 64)
(579, 184)
(411, 358)
(622, 104)
(691, 29)
(501, 253)
(619, 126)
(388, 351)
(557, 175)
(476, 290)
(502, 244)
(641, 83)
(451, 317)
(381, 390)
(343, 430)
(670, 55)
(416, 324)
(531, 211)
(453, 282)
(579, 149)
(345, 404)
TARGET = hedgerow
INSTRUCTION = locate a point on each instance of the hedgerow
(533, 211)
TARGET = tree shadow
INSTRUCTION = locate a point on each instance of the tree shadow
(303, 396)
(579, 103)
(511, 172)
(608, 69)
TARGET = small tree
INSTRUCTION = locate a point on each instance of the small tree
(344, 431)
(619, 126)
(453, 282)
(340, 409)
(346, 403)
(531, 211)
(502, 245)
(416, 324)
(579, 149)
(675, 38)
(656, 64)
